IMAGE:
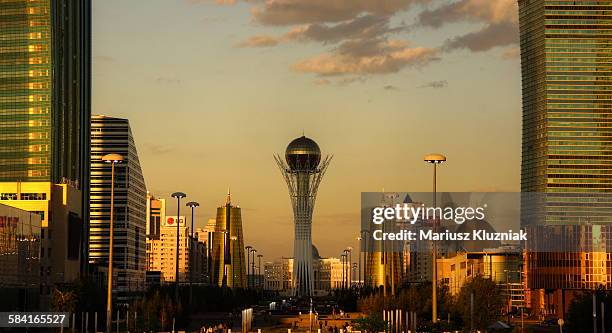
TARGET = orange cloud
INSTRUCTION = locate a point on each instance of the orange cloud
(393, 57)
(489, 11)
(260, 41)
(290, 12)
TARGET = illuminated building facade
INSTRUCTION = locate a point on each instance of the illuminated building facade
(503, 265)
(162, 256)
(327, 274)
(227, 260)
(20, 248)
(384, 259)
(565, 56)
(113, 135)
(156, 214)
(45, 88)
(303, 170)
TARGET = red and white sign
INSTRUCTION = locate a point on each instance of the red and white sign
(171, 221)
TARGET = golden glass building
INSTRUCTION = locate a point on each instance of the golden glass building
(228, 267)
(566, 68)
(45, 88)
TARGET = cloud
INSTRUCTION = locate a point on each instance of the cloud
(362, 27)
(499, 34)
(291, 12)
(260, 41)
(379, 57)
(513, 52)
(435, 84)
(489, 11)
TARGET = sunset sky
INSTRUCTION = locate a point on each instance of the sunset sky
(214, 89)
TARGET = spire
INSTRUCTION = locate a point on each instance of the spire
(228, 201)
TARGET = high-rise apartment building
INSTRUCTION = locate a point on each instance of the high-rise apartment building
(156, 215)
(45, 88)
(162, 256)
(566, 156)
(114, 135)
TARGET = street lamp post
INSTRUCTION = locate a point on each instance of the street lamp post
(349, 270)
(178, 196)
(248, 248)
(342, 259)
(233, 240)
(259, 256)
(113, 159)
(253, 265)
(359, 264)
(192, 205)
(434, 159)
(366, 254)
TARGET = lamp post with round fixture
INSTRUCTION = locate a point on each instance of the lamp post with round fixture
(259, 275)
(192, 205)
(248, 248)
(178, 196)
(434, 159)
(349, 275)
(359, 260)
(254, 251)
(113, 159)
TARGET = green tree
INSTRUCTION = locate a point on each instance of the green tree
(372, 323)
(580, 314)
(488, 302)
(64, 300)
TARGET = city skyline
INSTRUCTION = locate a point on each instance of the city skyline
(387, 116)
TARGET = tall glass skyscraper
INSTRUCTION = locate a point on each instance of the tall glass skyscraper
(566, 63)
(45, 88)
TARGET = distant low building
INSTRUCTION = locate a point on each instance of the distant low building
(504, 265)
(327, 275)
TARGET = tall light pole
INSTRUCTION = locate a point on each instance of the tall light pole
(349, 267)
(359, 264)
(192, 205)
(259, 268)
(434, 159)
(366, 255)
(342, 260)
(248, 248)
(113, 159)
(233, 240)
(253, 264)
(178, 196)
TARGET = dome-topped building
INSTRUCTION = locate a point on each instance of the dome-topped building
(303, 154)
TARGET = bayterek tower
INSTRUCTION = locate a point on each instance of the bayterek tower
(303, 170)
